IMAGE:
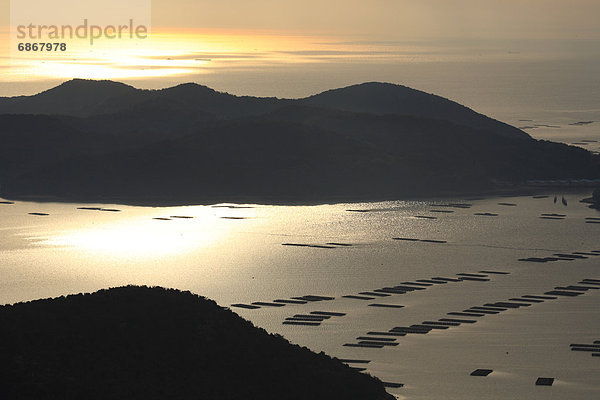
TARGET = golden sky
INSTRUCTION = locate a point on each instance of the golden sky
(192, 38)
(395, 19)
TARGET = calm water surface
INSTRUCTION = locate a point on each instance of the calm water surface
(235, 254)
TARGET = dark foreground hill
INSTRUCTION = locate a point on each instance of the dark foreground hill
(153, 343)
(104, 141)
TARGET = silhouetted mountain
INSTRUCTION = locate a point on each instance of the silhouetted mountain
(76, 97)
(87, 98)
(110, 101)
(84, 98)
(219, 104)
(153, 343)
(385, 98)
(192, 144)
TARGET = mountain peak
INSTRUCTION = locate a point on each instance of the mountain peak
(188, 87)
(76, 97)
(372, 86)
(381, 98)
(100, 87)
(91, 84)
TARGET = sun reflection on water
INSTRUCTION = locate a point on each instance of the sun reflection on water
(178, 232)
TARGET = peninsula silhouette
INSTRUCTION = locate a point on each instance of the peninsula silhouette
(189, 144)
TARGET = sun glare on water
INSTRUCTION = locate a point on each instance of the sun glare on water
(145, 237)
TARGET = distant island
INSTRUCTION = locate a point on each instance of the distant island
(106, 141)
(154, 343)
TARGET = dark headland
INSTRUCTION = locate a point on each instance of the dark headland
(594, 201)
(107, 141)
(153, 343)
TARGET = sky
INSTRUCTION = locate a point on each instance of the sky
(239, 45)
(398, 19)
(395, 19)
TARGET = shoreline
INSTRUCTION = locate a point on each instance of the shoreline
(516, 191)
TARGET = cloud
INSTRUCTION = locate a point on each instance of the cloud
(201, 56)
